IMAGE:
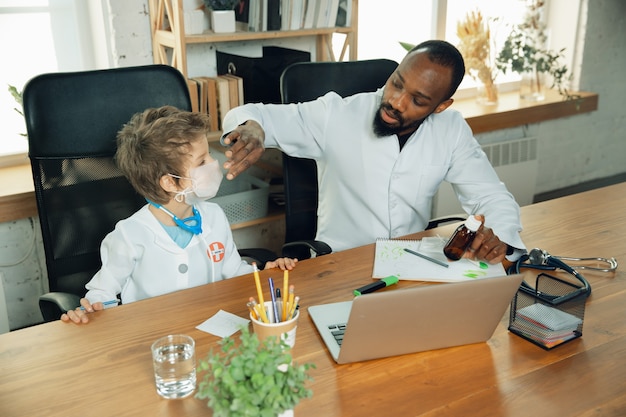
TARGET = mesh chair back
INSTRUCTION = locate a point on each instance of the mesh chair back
(72, 120)
(304, 82)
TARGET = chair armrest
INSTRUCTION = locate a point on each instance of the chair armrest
(258, 255)
(301, 249)
(442, 220)
(53, 304)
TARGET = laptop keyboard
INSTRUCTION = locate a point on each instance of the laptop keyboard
(338, 330)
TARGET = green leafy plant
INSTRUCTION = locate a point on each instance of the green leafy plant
(221, 4)
(407, 46)
(520, 55)
(524, 51)
(17, 95)
(252, 377)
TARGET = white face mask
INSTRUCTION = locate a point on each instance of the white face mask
(205, 181)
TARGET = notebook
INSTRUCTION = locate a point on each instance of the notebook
(400, 321)
(392, 259)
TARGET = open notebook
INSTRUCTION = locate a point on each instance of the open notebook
(400, 321)
(392, 259)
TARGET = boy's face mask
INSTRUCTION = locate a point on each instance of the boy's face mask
(205, 181)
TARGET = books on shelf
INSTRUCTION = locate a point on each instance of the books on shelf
(321, 19)
(223, 98)
(193, 94)
(333, 9)
(344, 13)
(296, 14)
(215, 96)
(274, 14)
(310, 12)
(212, 102)
(262, 15)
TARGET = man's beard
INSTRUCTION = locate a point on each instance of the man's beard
(383, 129)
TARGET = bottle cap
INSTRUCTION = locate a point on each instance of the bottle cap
(472, 223)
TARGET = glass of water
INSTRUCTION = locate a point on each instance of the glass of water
(174, 362)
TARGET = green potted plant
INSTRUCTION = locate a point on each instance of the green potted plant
(252, 378)
(17, 96)
(222, 14)
(524, 52)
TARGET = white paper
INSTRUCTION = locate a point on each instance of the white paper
(223, 324)
(392, 259)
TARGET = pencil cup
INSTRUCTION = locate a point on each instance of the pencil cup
(286, 330)
(174, 360)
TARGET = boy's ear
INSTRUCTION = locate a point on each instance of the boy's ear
(168, 183)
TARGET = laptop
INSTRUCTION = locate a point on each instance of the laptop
(416, 319)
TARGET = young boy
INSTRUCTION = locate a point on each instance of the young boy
(178, 240)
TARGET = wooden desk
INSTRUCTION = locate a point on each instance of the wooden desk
(105, 368)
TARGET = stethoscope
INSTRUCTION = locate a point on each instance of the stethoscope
(611, 263)
(193, 225)
(542, 260)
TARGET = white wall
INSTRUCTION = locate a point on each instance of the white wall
(23, 271)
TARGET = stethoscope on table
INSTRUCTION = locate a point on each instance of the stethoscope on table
(542, 260)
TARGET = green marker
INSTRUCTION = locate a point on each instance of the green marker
(377, 285)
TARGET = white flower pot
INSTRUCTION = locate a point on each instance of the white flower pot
(223, 21)
(286, 413)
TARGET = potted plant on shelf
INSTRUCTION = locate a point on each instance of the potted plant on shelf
(252, 378)
(222, 15)
(525, 52)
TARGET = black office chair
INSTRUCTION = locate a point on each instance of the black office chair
(307, 81)
(72, 120)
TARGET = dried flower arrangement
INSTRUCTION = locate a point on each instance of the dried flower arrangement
(475, 46)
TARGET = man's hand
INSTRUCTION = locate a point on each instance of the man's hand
(487, 246)
(247, 147)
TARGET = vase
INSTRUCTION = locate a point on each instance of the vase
(532, 86)
(487, 94)
(223, 21)
(286, 413)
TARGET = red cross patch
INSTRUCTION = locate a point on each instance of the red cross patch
(216, 251)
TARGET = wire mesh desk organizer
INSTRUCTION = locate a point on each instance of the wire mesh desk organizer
(552, 312)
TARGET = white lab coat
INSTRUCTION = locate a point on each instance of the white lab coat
(140, 260)
(368, 189)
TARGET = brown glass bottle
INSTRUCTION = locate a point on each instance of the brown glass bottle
(461, 239)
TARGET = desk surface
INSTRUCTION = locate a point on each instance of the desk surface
(105, 368)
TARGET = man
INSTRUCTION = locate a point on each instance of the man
(382, 156)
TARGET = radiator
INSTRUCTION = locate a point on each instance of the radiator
(516, 164)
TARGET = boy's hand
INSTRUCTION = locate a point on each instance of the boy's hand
(282, 263)
(79, 314)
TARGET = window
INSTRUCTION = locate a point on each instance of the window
(381, 29)
(40, 36)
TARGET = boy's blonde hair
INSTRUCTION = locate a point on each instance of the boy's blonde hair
(156, 142)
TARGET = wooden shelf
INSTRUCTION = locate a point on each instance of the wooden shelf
(167, 37)
(169, 41)
(511, 111)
